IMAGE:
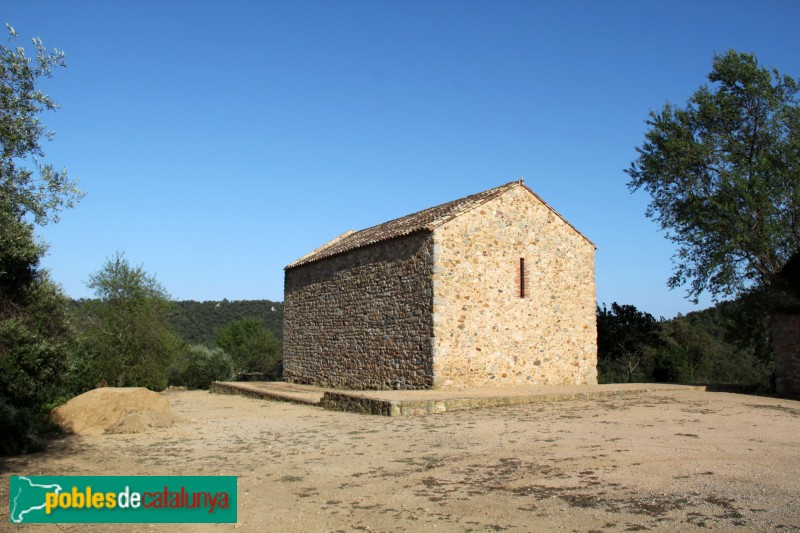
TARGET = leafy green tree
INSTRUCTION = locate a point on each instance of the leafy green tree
(252, 346)
(671, 365)
(34, 334)
(713, 354)
(27, 185)
(35, 340)
(197, 366)
(125, 333)
(627, 340)
(723, 174)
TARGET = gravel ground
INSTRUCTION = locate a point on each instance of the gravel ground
(660, 461)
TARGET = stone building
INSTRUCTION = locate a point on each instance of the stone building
(495, 289)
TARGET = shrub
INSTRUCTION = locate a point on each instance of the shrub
(672, 366)
(34, 342)
(17, 433)
(252, 346)
(199, 365)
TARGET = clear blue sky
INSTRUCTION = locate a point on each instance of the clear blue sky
(219, 141)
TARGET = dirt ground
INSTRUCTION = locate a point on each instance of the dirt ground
(665, 461)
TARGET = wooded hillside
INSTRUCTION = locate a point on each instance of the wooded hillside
(197, 322)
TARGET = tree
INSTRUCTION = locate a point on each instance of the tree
(723, 174)
(252, 346)
(626, 338)
(44, 192)
(125, 333)
(35, 337)
(704, 340)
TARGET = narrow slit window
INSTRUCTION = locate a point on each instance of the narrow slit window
(522, 277)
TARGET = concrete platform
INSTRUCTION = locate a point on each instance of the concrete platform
(424, 402)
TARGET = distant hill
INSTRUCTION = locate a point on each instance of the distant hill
(196, 322)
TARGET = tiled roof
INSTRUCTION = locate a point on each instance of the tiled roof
(425, 220)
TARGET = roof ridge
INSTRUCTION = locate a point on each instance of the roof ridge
(436, 223)
(485, 196)
(425, 220)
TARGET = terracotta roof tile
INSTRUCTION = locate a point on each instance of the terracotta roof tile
(425, 220)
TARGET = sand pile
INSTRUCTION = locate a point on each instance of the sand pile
(114, 410)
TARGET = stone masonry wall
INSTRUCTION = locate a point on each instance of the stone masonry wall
(786, 345)
(362, 320)
(485, 333)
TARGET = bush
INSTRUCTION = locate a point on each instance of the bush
(16, 435)
(252, 346)
(672, 366)
(199, 365)
(83, 373)
(34, 341)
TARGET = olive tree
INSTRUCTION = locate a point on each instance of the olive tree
(723, 175)
(28, 185)
(35, 337)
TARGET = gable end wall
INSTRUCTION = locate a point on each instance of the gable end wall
(484, 332)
